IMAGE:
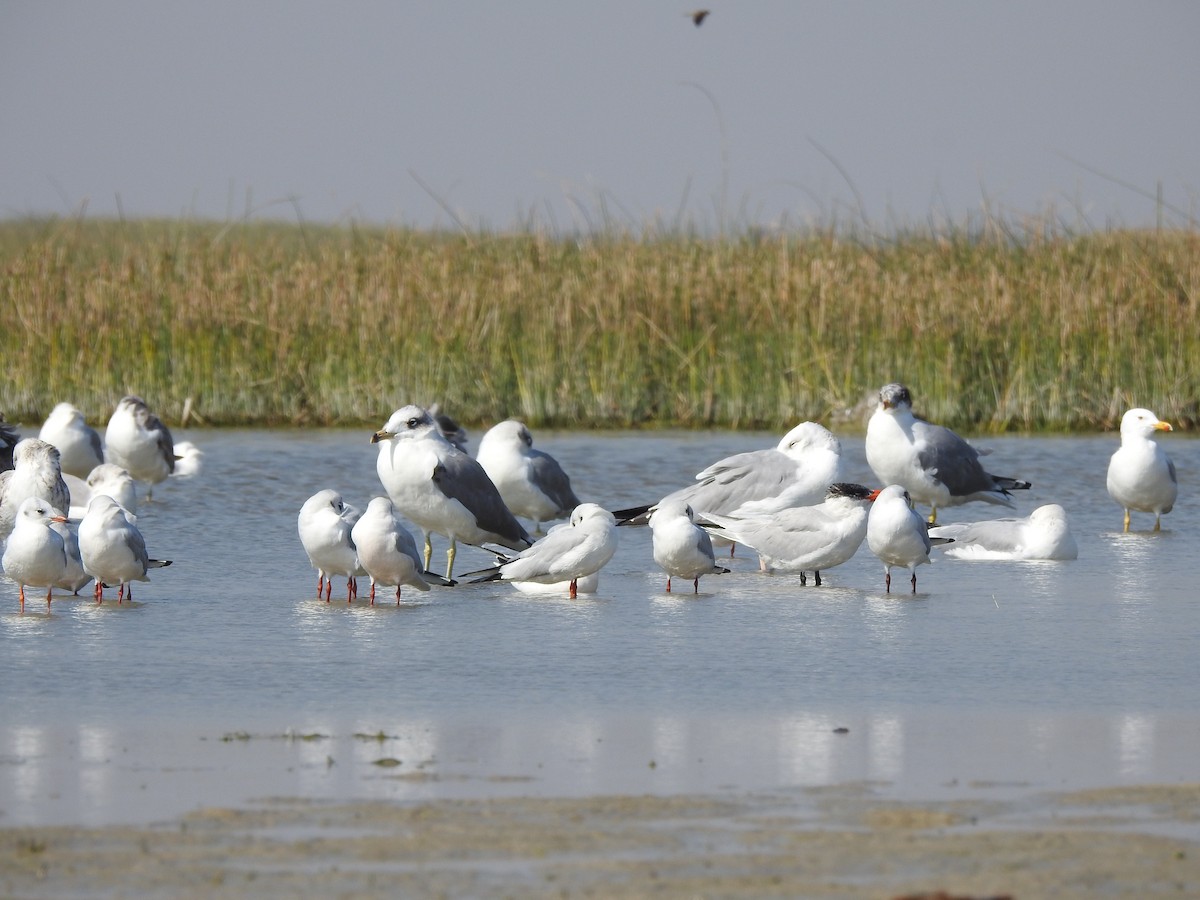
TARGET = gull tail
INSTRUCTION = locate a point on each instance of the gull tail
(439, 580)
(158, 563)
(1005, 484)
(635, 515)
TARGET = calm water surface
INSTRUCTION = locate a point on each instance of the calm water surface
(1053, 673)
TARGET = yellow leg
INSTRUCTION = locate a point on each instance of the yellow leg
(1127, 521)
(450, 558)
(933, 515)
(1157, 522)
(428, 550)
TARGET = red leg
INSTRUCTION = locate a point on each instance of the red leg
(668, 584)
(397, 595)
(887, 582)
(574, 590)
(21, 590)
(320, 584)
(328, 589)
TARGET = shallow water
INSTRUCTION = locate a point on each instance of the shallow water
(1047, 674)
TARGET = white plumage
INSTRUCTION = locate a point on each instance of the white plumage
(34, 555)
(681, 547)
(324, 525)
(1140, 474)
(386, 550)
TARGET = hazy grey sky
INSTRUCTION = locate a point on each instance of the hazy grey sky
(567, 113)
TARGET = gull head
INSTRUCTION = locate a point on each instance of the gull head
(407, 423)
(1143, 422)
(894, 396)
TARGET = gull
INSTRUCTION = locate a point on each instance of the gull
(324, 524)
(34, 555)
(531, 483)
(36, 473)
(188, 459)
(796, 472)
(897, 535)
(138, 442)
(113, 549)
(932, 463)
(1140, 474)
(439, 488)
(9, 438)
(113, 481)
(386, 550)
(1043, 534)
(567, 553)
(806, 537)
(450, 429)
(681, 547)
(78, 443)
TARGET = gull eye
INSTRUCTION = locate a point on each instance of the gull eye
(412, 423)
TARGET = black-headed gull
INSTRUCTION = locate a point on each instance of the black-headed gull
(567, 553)
(806, 538)
(34, 555)
(681, 547)
(932, 463)
(439, 488)
(1043, 534)
(36, 473)
(138, 442)
(386, 549)
(1140, 474)
(113, 549)
(531, 482)
(78, 442)
(75, 576)
(896, 534)
(324, 525)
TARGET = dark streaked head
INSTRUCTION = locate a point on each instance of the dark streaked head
(851, 491)
(894, 396)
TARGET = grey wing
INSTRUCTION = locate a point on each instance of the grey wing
(461, 478)
(704, 545)
(166, 446)
(137, 546)
(62, 496)
(1171, 471)
(94, 441)
(739, 479)
(999, 535)
(553, 481)
(954, 461)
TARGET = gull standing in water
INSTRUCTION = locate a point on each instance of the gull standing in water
(34, 555)
(531, 482)
(138, 442)
(796, 472)
(897, 535)
(567, 553)
(681, 547)
(78, 443)
(36, 473)
(113, 549)
(441, 489)
(324, 524)
(74, 576)
(386, 549)
(931, 462)
(1140, 474)
(806, 538)
(1043, 534)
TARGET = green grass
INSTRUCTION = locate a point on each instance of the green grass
(282, 324)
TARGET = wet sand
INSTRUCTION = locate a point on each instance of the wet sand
(842, 841)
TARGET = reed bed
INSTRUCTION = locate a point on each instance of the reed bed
(276, 324)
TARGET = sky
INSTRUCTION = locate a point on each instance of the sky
(572, 116)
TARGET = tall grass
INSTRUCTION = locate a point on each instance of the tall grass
(278, 324)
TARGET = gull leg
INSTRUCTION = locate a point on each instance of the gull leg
(21, 591)
(328, 589)
(803, 579)
(696, 585)
(397, 595)
(932, 515)
(732, 547)
(428, 551)
(450, 558)
(574, 592)
(816, 578)
(49, 591)
(887, 581)
(668, 584)
(373, 591)
(914, 582)
(1127, 520)
(320, 583)
(1157, 522)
